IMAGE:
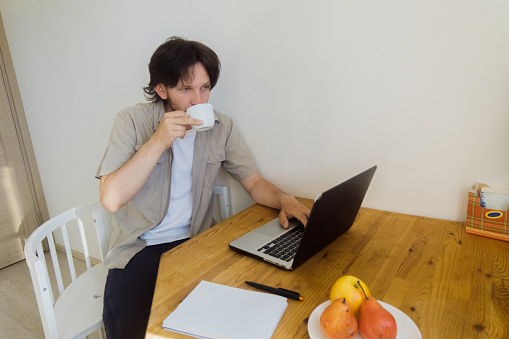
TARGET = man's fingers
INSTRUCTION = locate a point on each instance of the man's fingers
(303, 219)
(187, 122)
(181, 118)
(194, 122)
(283, 219)
(175, 114)
(302, 216)
(177, 127)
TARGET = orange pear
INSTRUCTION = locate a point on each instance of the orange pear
(338, 321)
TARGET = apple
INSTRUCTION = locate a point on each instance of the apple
(348, 287)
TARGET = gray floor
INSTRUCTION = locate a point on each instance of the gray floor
(19, 315)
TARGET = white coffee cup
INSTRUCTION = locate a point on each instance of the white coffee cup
(203, 112)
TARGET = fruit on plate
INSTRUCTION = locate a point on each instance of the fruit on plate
(375, 322)
(350, 288)
(338, 321)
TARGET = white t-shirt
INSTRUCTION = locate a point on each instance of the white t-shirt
(176, 224)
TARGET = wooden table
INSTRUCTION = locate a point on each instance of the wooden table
(451, 284)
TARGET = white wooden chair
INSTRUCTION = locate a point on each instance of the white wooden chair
(76, 311)
(224, 204)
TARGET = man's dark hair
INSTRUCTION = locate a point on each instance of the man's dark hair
(173, 61)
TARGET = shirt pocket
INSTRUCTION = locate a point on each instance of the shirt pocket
(214, 161)
(159, 172)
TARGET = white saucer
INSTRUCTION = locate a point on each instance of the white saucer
(406, 327)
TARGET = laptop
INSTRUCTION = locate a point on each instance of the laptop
(332, 214)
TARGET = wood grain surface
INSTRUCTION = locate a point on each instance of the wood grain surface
(451, 284)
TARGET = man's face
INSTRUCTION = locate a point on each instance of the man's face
(193, 91)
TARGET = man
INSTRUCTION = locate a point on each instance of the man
(157, 177)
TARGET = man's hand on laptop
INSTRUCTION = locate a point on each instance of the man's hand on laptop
(292, 208)
(267, 194)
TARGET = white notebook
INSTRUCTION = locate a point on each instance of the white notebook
(222, 312)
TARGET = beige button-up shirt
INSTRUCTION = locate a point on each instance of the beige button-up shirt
(219, 146)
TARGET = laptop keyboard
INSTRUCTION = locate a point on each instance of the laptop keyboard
(285, 246)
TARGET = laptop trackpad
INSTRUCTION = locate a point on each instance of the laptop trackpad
(274, 229)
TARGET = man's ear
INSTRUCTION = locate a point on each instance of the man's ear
(161, 91)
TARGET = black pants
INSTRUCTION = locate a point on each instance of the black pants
(128, 293)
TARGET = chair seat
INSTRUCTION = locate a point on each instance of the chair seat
(78, 310)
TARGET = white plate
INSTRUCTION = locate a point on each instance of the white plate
(406, 327)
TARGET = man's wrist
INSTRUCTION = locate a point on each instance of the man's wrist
(284, 198)
(154, 147)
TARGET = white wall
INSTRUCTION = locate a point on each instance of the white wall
(320, 90)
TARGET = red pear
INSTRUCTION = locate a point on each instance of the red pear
(375, 321)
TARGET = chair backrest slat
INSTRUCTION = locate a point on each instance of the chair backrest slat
(42, 261)
(101, 230)
(44, 298)
(86, 253)
(56, 264)
(68, 252)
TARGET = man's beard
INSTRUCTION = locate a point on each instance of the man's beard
(170, 107)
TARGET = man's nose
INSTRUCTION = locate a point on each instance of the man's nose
(198, 98)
